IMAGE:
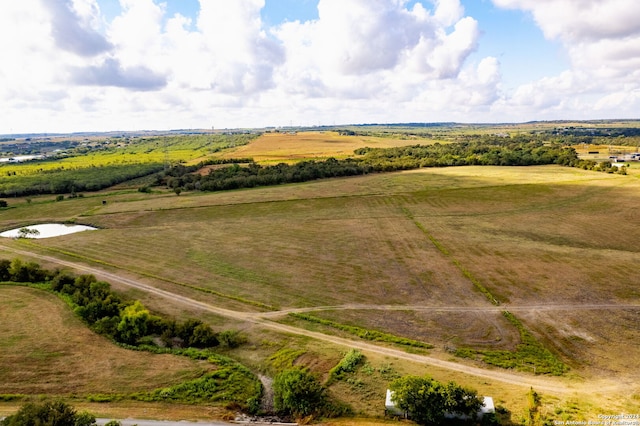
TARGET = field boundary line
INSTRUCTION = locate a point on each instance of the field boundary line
(442, 249)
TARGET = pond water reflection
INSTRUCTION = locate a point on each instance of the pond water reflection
(45, 230)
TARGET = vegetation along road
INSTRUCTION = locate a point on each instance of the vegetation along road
(549, 384)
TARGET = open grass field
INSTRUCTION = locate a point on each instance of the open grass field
(272, 148)
(46, 350)
(404, 253)
(541, 235)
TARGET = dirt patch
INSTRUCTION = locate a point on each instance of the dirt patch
(267, 395)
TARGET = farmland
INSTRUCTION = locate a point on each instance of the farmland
(433, 255)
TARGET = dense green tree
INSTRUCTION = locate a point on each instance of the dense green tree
(5, 273)
(84, 418)
(203, 337)
(195, 333)
(29, 272)
(427, 401)
(297, 392)
(133, 323)
(60, 280)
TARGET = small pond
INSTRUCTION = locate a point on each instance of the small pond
(45, 230)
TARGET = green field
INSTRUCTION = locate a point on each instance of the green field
(432, 255)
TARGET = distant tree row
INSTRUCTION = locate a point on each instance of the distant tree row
(76, 180)
(108, 314)
(604, 166)
(609, 132)
(252, 175)
(487, 153)
(493, 152)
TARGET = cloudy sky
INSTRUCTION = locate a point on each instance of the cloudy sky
(97, 65)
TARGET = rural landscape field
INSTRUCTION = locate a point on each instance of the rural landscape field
(504, 278)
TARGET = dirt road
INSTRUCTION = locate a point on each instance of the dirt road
(547, 384)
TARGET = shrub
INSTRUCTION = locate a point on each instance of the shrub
(54, 413)
(231, 339)
(297, 392)
(347, 364)
(428, 401)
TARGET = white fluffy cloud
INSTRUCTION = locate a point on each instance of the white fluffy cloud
(74, 27)
(602, 41)
(581, 20)
(359, 60)
(365, 49)
(65, 67)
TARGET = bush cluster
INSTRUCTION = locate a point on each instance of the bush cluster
(429, 402)
(127, 322)
(51, 413)
(347, 364)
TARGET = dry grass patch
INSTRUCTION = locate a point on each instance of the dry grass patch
(287, 147)
(45, 349)
(445, 329)
(594, 340)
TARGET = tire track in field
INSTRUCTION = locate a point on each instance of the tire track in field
(441, 308)
(547, 384)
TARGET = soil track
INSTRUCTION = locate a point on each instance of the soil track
(559, 386)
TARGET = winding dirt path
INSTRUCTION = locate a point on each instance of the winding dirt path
(264, 319)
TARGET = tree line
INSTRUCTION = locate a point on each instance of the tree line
(64, 181)
(248, 174)
(125, 321)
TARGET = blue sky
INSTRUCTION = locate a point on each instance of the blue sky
(75, 65)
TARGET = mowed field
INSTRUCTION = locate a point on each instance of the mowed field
(399, 252)
(46, 350)
(272, 148)
(536, 237)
